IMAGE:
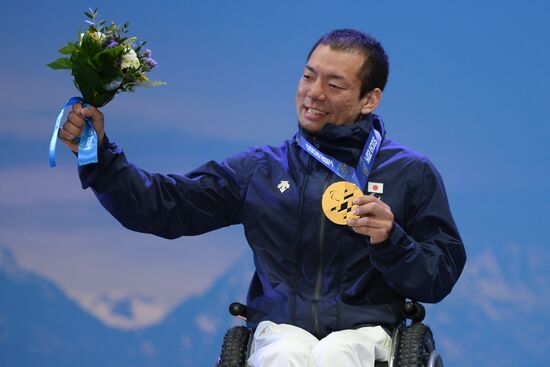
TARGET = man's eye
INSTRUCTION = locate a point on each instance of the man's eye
(307, 77)
(334, 86)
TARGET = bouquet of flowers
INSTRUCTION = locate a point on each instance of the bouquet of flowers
(103, 62)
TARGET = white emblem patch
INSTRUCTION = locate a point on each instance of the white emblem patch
(283, 186)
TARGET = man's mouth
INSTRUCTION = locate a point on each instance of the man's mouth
(315, 111)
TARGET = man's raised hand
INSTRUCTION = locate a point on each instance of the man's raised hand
(72, 128)
(375, 218)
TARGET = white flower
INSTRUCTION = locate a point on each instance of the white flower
(129, 42)
(130, 60)
(98, 36)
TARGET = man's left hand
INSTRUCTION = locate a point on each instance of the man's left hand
(375, 218)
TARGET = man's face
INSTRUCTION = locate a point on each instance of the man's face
(329, 89)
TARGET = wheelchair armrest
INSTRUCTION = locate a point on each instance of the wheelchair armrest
(413, 311)
(238, 310)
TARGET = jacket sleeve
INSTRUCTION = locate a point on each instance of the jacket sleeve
(168, 206)
(423, 259)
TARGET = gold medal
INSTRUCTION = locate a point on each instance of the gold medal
(337, 200)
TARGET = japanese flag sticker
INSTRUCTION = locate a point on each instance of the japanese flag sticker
(376, 187)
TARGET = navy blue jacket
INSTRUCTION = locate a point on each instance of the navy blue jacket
(310, 272)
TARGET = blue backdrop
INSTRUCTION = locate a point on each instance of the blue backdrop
(468, 87)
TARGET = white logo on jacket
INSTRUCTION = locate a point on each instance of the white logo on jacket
(283, 186)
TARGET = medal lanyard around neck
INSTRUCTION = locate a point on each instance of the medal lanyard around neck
(359, 175)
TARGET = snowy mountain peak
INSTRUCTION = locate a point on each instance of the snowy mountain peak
(8, 263)
(122, 309)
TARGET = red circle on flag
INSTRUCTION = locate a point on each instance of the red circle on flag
(375, 187)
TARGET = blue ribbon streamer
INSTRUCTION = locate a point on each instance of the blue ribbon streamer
(359, 175)
(87, 149)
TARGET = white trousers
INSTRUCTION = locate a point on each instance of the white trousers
(282, 345)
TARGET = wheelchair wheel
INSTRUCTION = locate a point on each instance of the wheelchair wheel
(417, 347)
(234, 348)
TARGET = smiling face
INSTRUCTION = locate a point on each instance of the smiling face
(329, 90)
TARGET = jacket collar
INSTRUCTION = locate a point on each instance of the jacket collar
(345, 142)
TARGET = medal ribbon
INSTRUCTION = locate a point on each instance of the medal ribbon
(359, 175)
(87, 149)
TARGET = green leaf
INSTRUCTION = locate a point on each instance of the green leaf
(88, 15)
(89, 46)
(101, 99)
(87, 81)
(155, 83)
(61, 63)
(68, 50)
(91, 81)
(138, 49)
(106, 63)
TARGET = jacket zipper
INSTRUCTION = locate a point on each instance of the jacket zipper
(319, 282)
(297, 267)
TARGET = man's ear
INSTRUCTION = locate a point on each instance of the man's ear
(371, 100)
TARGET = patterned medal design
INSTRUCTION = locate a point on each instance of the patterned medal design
(337, 200)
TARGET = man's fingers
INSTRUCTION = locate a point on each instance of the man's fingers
(98, 121)
(93, 113)
(69, 134)
(71, 128)
(376, 236)
(68, 140)
(376, 209)
(367, 222)
(365, 199)
(88, 111)
(375, 218)
(77, 108)
(376, 232)
(364, 228)
(75, 119)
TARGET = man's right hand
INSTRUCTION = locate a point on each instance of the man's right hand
(73, 127)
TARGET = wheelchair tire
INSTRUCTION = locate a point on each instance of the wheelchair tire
(235, 347)
(416, 344)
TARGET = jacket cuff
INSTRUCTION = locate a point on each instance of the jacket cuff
(107, 152)
(393, 247)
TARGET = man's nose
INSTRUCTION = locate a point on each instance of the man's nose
(316, 91)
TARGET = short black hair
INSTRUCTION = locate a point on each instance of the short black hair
(375, 69)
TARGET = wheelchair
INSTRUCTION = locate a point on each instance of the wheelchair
(412, 342)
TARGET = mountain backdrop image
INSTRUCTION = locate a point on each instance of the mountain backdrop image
(498, 302)
(41, 326)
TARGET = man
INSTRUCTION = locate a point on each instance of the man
(330, 277)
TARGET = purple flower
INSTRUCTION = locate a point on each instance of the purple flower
(112, 44)
(149, 61)
(147, 53)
